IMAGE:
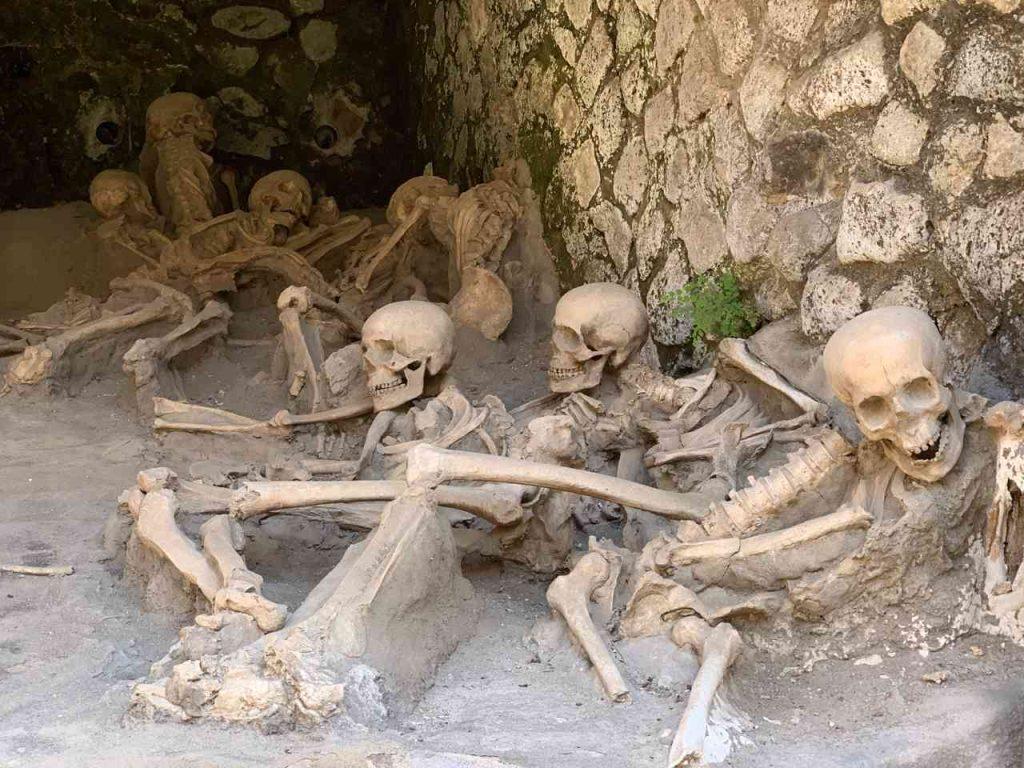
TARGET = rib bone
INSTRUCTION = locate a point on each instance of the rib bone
(433, 466)
(569, 595)
(717, 649)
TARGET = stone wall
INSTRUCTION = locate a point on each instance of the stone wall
(308, 84)
(836, 155)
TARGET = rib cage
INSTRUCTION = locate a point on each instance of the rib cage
(804, 469)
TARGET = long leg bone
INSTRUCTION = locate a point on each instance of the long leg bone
(1007, 421)
(241, 588)
(263, 497)
(735, 351)
(186, 417)
(433, 466)
(717, 649)
(569, 596)
(301, 344)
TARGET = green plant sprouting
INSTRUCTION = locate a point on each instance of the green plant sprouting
(715, 304)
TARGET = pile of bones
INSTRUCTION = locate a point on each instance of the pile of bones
(871, 493)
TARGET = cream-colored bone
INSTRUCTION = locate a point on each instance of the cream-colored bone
(240, 588)
(186, 417)
(1007, 421)
(845, 519)
(735, 351)
(804, 469)
(888, 366)
(569, 595)
(433, 466)
(366, 274)
(156, 529)
(36, 363)
(717, 649)
(258, 498)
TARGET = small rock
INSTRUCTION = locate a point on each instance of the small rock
(761, 95)
(882, 225)
(241, 102)
(1005, 156)
(868, 661)
(999, 6)
(829, 300)
(895, 11)
(567, 45)
(989, 67)
(961, 150)
(252, 22)
(567, 113)
(578, 12)
(582, 170)
(899, 135)
(233, 59)
(920, 54)
(732, 31)
(906, 292)
(618, 236)
(977, 651)
(748, 223)
(676, 23)
(938, 677)
(851, 78)
(659, 119)
(796, 241)
(635, 86)
(319, 40)
(304, 7)
(593, 63)
(631, 176)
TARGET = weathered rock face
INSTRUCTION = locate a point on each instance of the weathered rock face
(835, 155)
(293, 83)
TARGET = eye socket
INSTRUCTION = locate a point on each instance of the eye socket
(566, 339)
(414, 365)
(920, 391)
(108, 133)
(874, 412)
(326, 136)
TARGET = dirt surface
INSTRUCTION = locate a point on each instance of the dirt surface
(70, 647)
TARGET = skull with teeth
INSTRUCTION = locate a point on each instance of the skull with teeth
(178, 115)
(887, 366)
(404, 343)
(284, 199)
(595, 325)
(116, 193)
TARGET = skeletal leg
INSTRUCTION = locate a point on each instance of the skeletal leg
(186, 417)
(433, 466)
(717, 649)
(156, 528)
(569, 596)
(240, 591)
(302, 346)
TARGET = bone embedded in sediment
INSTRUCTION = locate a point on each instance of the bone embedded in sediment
(717, 649)
(569, 596)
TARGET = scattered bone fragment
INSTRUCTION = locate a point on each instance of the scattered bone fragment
(735, 351)
(433, 466)
(569, 596)
(38, 570)
(717, 649)
(186, 417)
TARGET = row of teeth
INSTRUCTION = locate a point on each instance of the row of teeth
(938, 440)
(382, 388)
(564, 373)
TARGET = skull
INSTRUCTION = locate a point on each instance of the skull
(180, 114)
(282, 197)
(595, 325)
(887, 366)
(404, 343)
(115, 193)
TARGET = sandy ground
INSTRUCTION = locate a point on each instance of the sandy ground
(70, 647)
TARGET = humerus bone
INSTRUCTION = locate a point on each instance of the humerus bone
(683, 554)
(736, 352)
(717, 649)
(263, 497)
(747, 508)
(569, 596)
(433, 466)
